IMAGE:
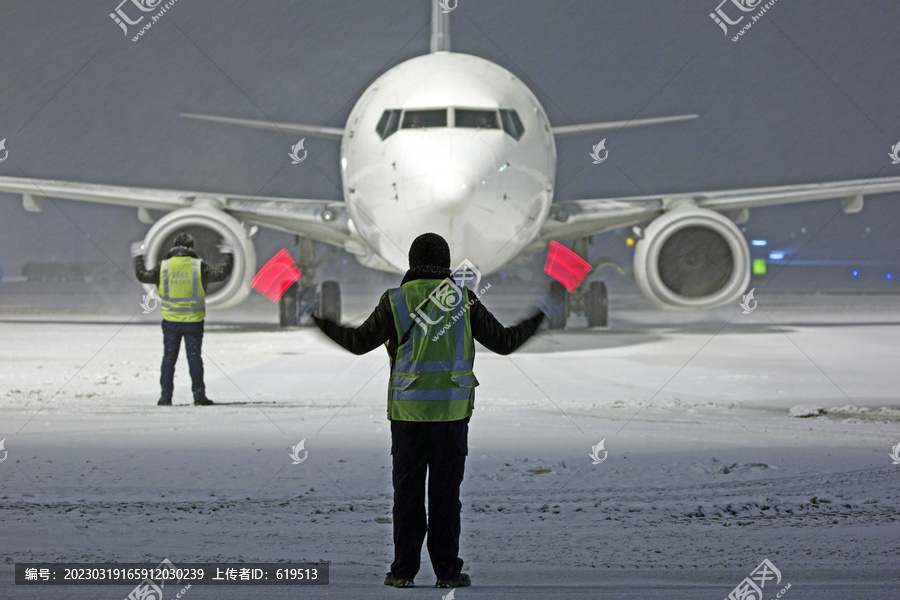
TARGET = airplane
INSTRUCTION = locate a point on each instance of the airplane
(456, 144)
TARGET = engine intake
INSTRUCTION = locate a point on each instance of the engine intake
(692, 258)
(209, 227)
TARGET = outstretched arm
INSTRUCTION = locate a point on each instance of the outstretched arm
(220, 273)
(142, 274)
(494, 336)
(375, 331)
(223, 271)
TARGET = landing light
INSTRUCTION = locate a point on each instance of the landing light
(758, 242)
(776, 255)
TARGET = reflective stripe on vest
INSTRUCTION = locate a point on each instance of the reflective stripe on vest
(404, 354)
(432, 377)
(180, 307)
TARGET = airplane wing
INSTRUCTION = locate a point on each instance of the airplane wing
(322, 220)
(332, 133)
(580, 218)
(584, 128)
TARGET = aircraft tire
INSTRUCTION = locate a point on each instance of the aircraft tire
(560, 296)
(288, 307)
(330, 301)
(597, 311)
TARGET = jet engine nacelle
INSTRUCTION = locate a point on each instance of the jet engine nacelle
(210, 227)
(692, 258)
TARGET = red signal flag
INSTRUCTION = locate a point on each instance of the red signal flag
(276, 276)
(566, 266)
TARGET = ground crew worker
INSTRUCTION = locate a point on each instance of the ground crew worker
(430, 399)
(181, 281)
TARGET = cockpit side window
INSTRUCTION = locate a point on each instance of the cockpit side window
(388, 123)
(418, 119)
(512, 124)
(479, 119)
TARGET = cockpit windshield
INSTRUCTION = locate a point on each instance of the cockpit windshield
(480, 119)
(417, 119)
(473, 118)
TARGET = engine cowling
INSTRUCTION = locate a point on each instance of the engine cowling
(210, 227)
(692, 258)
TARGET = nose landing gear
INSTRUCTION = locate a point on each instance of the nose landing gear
(305, 297)
(590, 301)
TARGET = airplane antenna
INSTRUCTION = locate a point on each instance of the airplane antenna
(440, 26)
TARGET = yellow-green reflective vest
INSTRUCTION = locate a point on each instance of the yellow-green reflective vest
(181, 290)
(432, 378)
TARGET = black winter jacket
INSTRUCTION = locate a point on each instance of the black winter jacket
(207, 274)
(379, 327)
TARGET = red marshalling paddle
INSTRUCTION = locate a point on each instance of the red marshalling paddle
(565, 266)
(276, 276)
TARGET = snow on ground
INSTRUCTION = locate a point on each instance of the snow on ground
(731, 438)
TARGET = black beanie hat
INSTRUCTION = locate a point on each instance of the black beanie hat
(184, 240)
(429, 250)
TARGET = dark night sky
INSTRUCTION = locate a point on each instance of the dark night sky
(808, 94)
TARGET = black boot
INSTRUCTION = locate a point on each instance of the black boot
(202, 400)
(399, 582)
(461, 581)
(164, 401)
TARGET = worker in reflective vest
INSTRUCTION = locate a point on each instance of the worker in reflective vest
(181, 280)
(429, 325)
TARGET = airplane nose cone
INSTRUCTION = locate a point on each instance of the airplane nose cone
(451, 192)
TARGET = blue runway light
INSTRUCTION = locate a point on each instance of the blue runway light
(758, 242)
(855, 273)
(888, 275)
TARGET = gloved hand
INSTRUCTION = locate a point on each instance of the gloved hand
(226, 248)
(137, 249)
(552, 307)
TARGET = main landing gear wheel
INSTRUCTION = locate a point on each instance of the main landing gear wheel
(559, 296)
(288, 315)
(296, 305)
(597, 309)
(330, 301)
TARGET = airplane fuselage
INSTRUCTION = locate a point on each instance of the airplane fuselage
(449, 143)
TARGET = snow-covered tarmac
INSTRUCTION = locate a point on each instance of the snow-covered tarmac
(707, 472)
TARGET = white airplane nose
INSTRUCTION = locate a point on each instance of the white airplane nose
(451, 192)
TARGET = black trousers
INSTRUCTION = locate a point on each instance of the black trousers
(440, 449)
(173, 333)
